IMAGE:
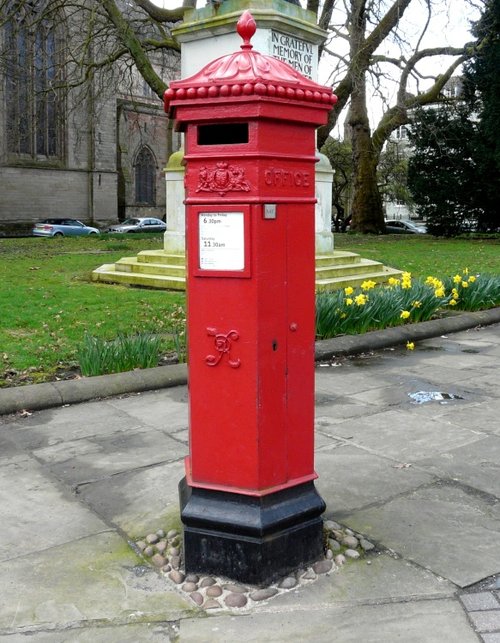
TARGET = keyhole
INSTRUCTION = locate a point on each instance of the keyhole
(275, 345)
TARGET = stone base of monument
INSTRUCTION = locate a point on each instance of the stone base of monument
(167, 271)
(251, 539)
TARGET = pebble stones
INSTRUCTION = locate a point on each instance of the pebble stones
(350, 541)
(288, 583)
(322, 566)
(176, 576)
(236, 600)
(263, 594)
(164, 550)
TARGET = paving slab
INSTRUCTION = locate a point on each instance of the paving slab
(103, 633)
(77, 461)
(351, 478)
(72, 422)
(90, 581)
(9, 450)
(166, 409)
(429, 621)
(139, 501)
(37, 512)
(379, 578)
(476, 465)
(403, 436)
(453, 531)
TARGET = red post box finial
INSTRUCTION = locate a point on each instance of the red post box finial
(246, 27)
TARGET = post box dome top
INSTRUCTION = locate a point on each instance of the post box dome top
(246, 73)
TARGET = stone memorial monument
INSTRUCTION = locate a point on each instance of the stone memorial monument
(286, 32)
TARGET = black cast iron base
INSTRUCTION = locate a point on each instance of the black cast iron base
(251, 539)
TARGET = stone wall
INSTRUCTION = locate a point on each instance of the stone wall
(104, 126)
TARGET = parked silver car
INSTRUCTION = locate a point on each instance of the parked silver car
(402, 226)
(139, 224)
(62, 228)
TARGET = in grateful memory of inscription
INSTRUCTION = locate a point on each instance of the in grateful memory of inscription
(294, 51)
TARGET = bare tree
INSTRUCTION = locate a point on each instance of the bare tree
(364, 26)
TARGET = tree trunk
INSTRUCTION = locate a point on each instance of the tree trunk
(367, 211)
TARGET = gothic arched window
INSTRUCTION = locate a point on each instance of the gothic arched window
(34, 115)
(145, 177)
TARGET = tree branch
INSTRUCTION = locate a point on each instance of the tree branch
(132, 43)
(159, 14)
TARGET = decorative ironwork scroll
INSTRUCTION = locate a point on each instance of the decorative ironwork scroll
(223, 344)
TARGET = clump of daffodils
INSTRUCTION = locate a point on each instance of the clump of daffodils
(401, 300)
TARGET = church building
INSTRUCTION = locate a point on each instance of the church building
(81, 134)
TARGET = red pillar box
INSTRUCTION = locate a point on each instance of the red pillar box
(248, 502)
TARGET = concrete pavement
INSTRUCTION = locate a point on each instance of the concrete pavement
(417, 478)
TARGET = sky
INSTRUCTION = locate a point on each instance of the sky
(449, 27)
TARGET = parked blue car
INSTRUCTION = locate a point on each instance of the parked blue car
(62, 228)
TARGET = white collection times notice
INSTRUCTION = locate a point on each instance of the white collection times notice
(221, 240)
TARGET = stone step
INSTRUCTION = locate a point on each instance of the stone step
(158, 269)
(133, 264)
(161, 257)
(360, 267)
(108, 274)
(338, 257)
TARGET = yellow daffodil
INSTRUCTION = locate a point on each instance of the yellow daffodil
(361, 300)
(465, 284)
(406, 284)
(410, 346)
(405, 314)
(349, 290)
(465, 271)
(368, 284)
(343, 315)
(457, 279)
(406, 275)
(454, 293)
(349, 301)
(452, 302)
(430, 281)
(439, 292)
(472, 279)
(393, 282)
(416, 304)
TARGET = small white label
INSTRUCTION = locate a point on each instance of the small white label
(269, 210)
(222, 240)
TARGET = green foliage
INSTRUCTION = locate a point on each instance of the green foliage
(455, 172)
(474, 292)
(175, 323)
(442, 171)
(482, 87)
(349, 311)
(97, 356)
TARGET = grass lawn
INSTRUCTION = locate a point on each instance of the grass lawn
(423, 255)
(48, 301)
